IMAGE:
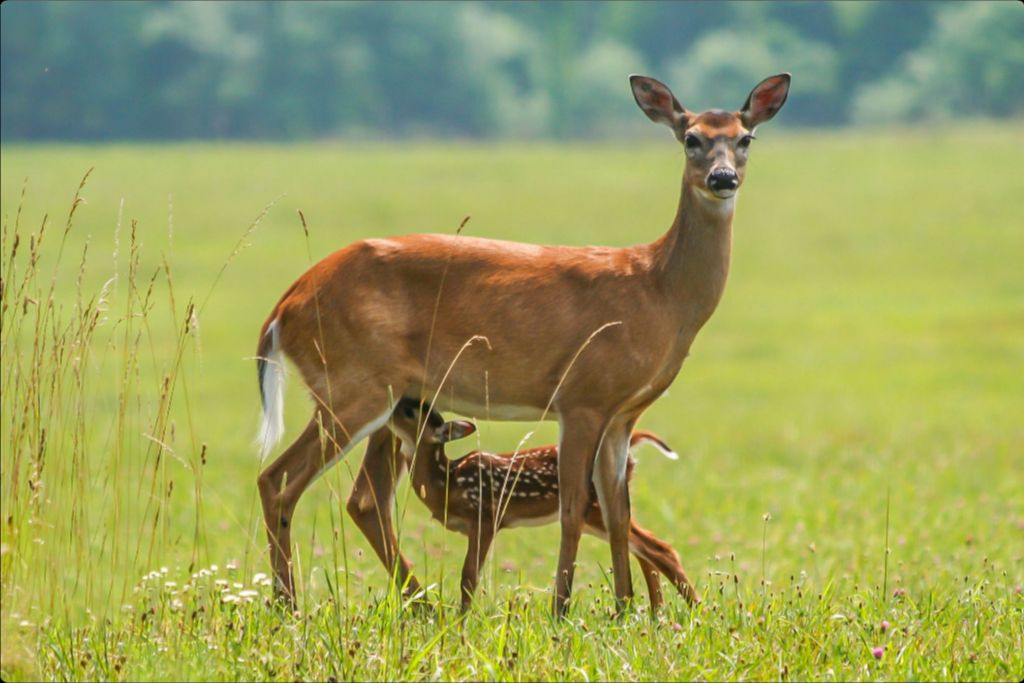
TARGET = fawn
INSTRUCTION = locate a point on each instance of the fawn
(482, 493)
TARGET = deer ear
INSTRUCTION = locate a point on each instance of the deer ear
(454, 430)
(765, 100)
(657, 101)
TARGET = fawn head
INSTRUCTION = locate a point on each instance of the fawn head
(409, 419)
(717, 142)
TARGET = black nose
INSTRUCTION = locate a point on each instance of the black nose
(723, 179)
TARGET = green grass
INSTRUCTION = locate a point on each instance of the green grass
(865, 364)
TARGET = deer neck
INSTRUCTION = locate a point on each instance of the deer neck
(692, 259)
(431, 466)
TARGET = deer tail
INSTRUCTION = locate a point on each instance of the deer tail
(270, 371)
(640, 437)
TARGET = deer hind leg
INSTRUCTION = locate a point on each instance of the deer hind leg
(284, 481)
(371, 502)
(613, 494)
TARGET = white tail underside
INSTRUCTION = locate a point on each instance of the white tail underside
(667, 452)
(272, 384)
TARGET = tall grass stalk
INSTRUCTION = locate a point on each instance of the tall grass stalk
(87, 505)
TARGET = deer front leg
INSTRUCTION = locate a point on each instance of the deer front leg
(480, 538)
(580, 435)
(613, 494)
(371, 501)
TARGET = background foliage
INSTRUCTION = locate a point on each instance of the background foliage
(164, 70)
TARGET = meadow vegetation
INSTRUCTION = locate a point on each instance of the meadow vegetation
(848, 497)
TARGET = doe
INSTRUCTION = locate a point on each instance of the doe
(412, 315)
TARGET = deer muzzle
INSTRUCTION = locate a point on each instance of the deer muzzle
(723, 182)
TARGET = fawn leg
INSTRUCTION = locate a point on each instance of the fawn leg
(595, 526)
(480, 538)
(662, 556)
(650, 574)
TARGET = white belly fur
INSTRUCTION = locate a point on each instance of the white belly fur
(493, 411)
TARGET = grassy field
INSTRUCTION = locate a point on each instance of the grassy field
(848, 499)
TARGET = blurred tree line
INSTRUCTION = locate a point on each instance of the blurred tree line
(295, 70)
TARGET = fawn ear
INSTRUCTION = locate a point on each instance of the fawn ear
(765, 100)
(454, 430)
(657, 101)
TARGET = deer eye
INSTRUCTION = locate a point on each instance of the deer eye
(745, 141)
(409, 412)
(692, 142)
